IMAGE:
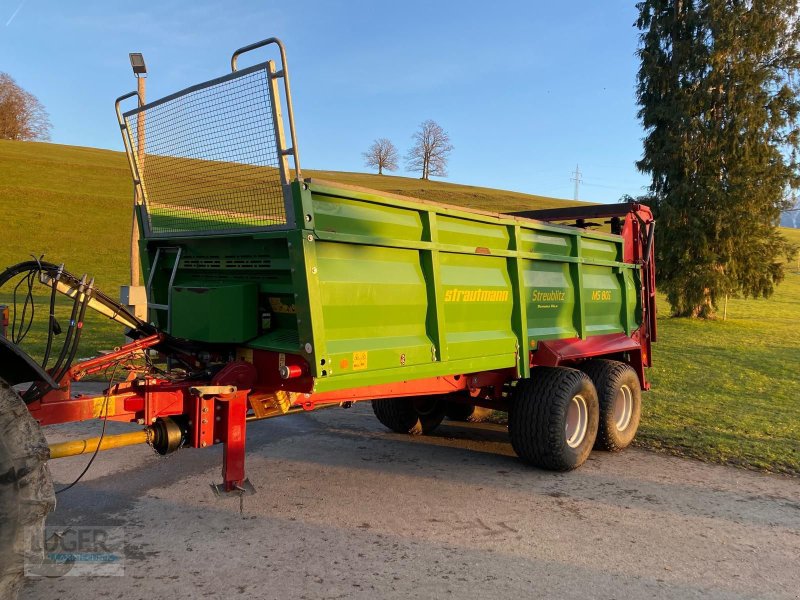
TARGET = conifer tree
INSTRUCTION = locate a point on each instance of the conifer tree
(718, 95)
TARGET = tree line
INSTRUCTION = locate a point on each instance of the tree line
(718, 94)
(428, 155)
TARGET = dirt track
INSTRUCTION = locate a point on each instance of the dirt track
(346, 509)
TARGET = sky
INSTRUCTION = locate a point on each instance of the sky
(525, 90)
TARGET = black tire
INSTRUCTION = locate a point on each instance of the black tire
(26, 490)
(416, 416)
(542, 419)
(458, 411)
(620, 396)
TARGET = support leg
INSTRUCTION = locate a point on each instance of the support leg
(232, 433)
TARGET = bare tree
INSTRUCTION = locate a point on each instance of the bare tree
(431, 150)
(22, 116)
(382, 155)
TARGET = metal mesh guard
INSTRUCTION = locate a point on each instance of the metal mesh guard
(208, 159)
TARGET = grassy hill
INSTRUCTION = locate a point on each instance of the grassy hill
(724, 391)
(74, 204)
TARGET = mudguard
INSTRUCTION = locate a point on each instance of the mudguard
(18, 367)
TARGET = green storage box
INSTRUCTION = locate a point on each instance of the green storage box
(225, 313)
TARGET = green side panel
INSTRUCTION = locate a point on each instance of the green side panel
(464, 232)
(221, 313)
(478, 303)
(374, 307)
(598, 249)
(354, 217)
(550, 295)
(547, 242)
(602, 288)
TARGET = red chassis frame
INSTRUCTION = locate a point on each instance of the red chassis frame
(217, 411)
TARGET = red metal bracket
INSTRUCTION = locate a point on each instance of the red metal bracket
(128, 351)
(230, 430)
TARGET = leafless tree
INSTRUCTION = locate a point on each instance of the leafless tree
(382, 155)
(431, 150)
(22, 116)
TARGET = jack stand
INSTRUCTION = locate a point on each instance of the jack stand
(232, 425)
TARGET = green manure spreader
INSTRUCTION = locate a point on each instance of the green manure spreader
(270, 294)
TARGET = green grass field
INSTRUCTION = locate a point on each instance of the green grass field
(727, 391)
(723, 391)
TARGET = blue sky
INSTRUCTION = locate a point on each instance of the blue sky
(526, 90)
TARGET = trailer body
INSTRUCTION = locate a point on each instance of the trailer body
(367, 289)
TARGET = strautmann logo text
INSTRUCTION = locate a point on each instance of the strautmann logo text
(479, 295)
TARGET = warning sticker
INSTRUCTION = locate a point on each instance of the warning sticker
(359, 361)
(102, 408)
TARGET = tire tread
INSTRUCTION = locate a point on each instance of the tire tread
(606, 375)
(532, 425)
(26, 489)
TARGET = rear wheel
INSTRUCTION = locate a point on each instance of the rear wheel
(620, 396)
(420, 415)
(26, 490)
(458, 411)
(553, 418)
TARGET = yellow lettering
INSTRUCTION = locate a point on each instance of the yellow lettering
(477, 295)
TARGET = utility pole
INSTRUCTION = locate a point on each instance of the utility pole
(576, 177)
(134, 295)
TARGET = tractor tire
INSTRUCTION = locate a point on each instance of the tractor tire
(457, 411)
(620, 396)
(416, 416)
(553, 418)
(26, 490)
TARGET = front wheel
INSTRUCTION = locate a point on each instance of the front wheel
(416, 416)
(620, 395)
(553, 418)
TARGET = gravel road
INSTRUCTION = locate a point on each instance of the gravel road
(345, 509)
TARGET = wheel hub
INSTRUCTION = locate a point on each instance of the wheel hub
(623, 408)
(577, 421)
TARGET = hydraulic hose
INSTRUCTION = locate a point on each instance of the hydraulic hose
(79, 299)
(87, 294)
(51, 322)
